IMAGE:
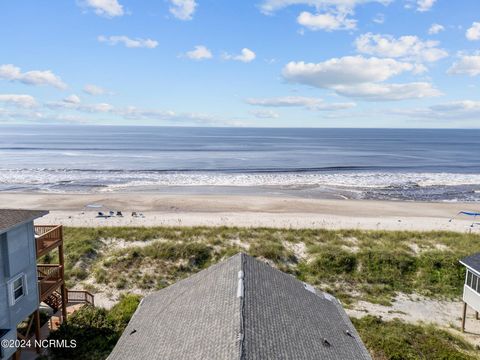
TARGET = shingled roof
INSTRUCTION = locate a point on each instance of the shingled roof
(9, 218)
(472, 262)
(240, 309)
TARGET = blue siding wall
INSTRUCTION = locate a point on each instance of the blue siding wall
(20, 258)
(4, 313)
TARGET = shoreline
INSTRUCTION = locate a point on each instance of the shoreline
(243, 211)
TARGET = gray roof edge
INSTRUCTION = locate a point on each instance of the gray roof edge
(349, 323)
(467, 261)
(24, 221)
(469, 267)
(241, 329)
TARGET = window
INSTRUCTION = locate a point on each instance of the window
(473, 281)
(17, 288)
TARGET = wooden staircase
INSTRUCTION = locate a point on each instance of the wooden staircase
(54, 300)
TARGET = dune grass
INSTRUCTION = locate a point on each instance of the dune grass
(351, 264)
(396, 340)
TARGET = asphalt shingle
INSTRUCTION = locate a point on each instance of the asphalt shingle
(472, 261)
(202, 317)
(196, 318)
(10, 218)
(283, 320)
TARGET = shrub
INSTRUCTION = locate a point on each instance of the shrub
(93, 333)
(331, 261)
(271, 250)
(120, 314)
(95, 330)
(396, 340)
(440, 272)
(386, 267)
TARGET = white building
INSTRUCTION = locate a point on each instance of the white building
(471, 289)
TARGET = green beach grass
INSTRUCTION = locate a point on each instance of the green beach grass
(351, 264)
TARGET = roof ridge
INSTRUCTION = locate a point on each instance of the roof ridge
(241, 280)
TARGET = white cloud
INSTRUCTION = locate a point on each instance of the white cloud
(270, 6)
(73, 103)
(128, 42)
(309, 103)
(134, 113)
(326, 21)
(463, 105)
(389, 92)
(345, 70)
(330, 14)
(455, 110)
(425, 5)
(246, 56)
(467, 65)
(92, 89)
(106, 8)
(199, 53)
(72, 99)
(35, 77)
(265, 114)
(405, 47)
(97, 108)
(23, 101)
(473, 33)
(183, 9)
(360, 77)
(435, 29)
(379, 18)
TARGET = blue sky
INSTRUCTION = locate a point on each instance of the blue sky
(268, 63)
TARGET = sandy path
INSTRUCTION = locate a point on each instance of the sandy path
(416, 309)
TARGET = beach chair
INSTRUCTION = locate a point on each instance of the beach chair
(101, 214)
(119, 213)
(134, 214)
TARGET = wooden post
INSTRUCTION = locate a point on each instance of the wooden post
(36, 314)
(464, 316)
(476, 315)
(63, 289)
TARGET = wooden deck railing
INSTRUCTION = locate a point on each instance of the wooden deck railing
(80, 296)
(48, 237)
(49, 279)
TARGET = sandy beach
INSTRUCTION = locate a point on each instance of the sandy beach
(243, 210)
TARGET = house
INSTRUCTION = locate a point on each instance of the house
(240, 308)
(25, 282)
(18, 273)
(471, 288)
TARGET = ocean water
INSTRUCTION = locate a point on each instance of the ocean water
(406, 164)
